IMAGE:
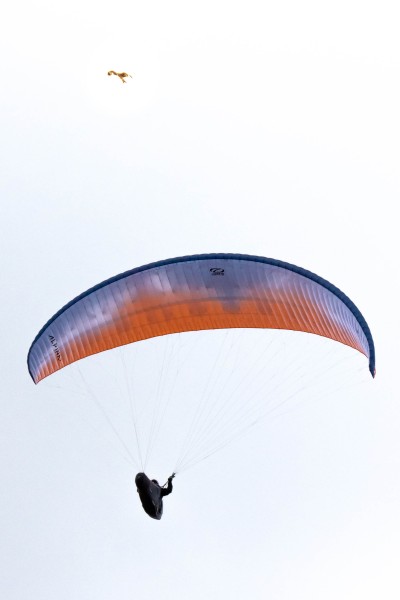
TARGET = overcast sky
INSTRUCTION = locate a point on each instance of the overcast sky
(259, 128)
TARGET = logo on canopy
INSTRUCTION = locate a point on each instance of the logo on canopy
(217, 271)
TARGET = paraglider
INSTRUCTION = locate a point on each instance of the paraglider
(151, 494)
(197, 293)
(121, 75)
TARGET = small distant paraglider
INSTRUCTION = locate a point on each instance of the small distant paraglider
(122, 75)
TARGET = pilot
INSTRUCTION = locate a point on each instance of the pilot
(151, 494)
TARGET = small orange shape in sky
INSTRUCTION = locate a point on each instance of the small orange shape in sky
(122, 75)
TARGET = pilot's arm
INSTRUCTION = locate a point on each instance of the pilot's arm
(169, 488)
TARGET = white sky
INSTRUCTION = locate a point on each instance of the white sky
(260, 128)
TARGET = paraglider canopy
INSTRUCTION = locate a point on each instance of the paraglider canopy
(200, 292)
